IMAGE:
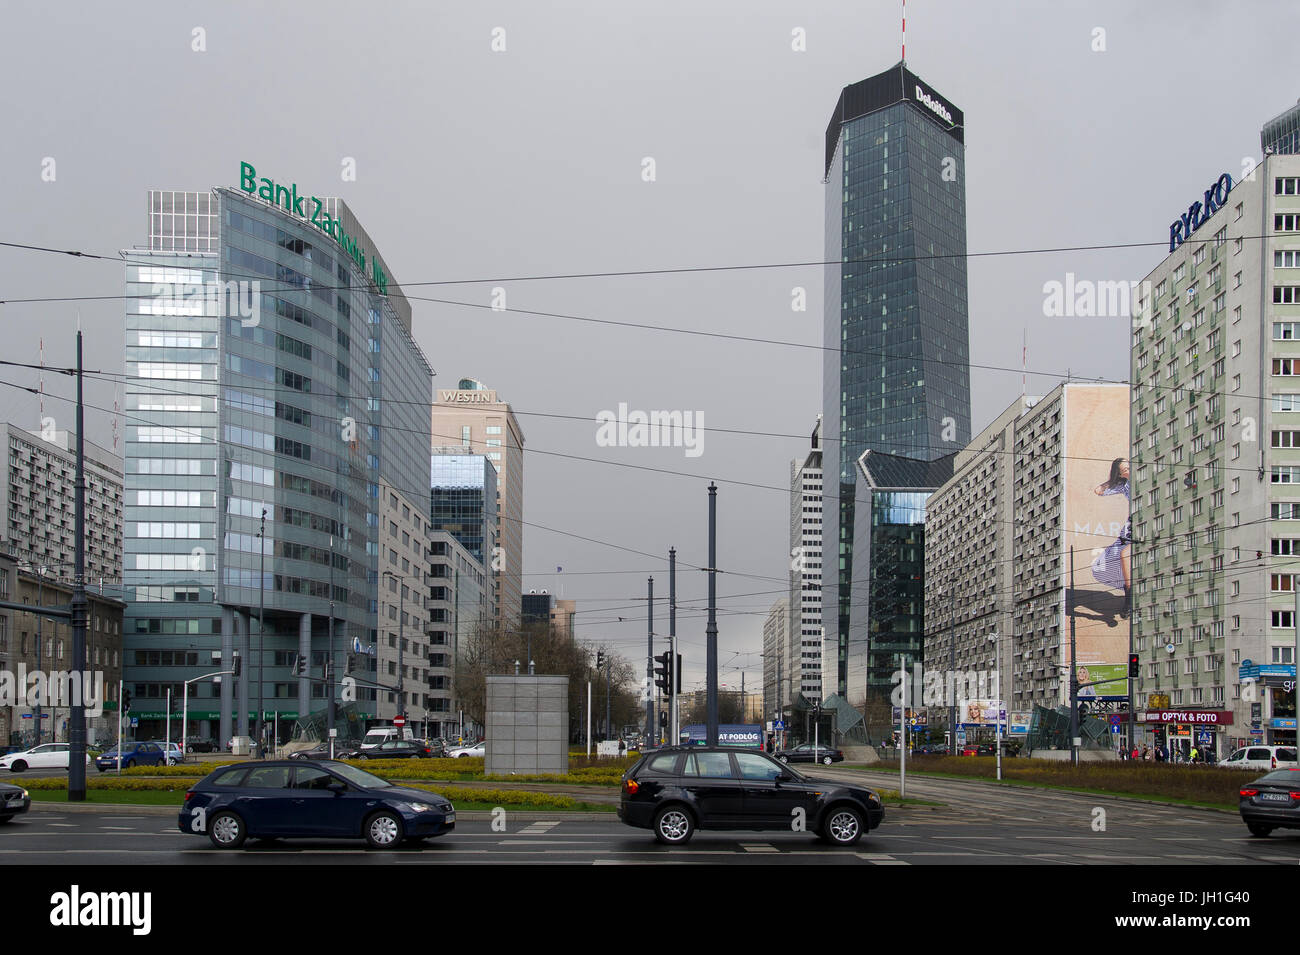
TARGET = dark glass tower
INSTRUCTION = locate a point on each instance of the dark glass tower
(899, 382)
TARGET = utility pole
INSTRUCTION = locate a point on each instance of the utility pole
(329, 662)
(79, 609)
(711, 630)
(650, 661)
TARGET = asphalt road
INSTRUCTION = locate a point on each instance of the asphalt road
(980, 825)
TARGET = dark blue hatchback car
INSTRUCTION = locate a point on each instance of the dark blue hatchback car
(310, 799)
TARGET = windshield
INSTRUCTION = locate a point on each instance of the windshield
(359, 777)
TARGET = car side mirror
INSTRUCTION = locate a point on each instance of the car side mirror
(784, 777)
(338, 787)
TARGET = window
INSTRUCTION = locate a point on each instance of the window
(1286, 331)
(1286, 186)
(1286, 294)
(1286, 439)
(1286, 259)
(1283, 619)
(1281, 583)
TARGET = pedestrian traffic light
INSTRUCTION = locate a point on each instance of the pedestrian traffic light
(1132, 664)
(664, 672)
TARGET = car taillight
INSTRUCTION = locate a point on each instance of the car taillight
(188, 795)
(630, 786)
(1274, 762)
(1250, 792)
(1294, 795)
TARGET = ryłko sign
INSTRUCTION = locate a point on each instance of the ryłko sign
(1198, 717)
(1181, 229)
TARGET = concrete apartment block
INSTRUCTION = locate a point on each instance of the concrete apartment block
(527, 724)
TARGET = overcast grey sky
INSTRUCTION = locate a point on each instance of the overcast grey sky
(481, 164)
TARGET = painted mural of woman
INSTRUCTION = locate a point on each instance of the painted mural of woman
(1112, 565)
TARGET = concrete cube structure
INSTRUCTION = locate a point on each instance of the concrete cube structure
(527, 724)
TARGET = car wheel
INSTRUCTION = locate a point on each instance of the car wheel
(826, 760)
(383, 830)
(1258, 830)
(674, 826)
(784, 759)
(843, 826)
(128, 764)
(226, 831)
(18, 766)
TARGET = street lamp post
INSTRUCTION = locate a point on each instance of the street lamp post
(1000, 704)
(261, 628)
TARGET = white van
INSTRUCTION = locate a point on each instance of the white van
(382, 734)
(1260, 757)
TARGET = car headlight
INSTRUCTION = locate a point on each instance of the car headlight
(25, 794)
(417, 806)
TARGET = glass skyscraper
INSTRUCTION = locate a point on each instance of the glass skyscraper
(270, 370)
(463, 501)
(896, 370)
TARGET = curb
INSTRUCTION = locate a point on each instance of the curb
(1014, 784)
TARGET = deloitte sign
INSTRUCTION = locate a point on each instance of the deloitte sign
(934, 104)
(311, 209)
(1181, 229)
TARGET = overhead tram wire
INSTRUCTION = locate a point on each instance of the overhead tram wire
(884, 259)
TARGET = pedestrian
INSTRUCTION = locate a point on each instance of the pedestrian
(1195, 754)
(1146, 753)
(1134, 754)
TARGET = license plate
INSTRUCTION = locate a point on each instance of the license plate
(451, 817)
(1274, 797)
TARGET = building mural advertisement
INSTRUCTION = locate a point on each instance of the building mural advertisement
(1096, 525)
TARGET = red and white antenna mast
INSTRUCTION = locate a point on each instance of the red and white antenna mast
(904, 32)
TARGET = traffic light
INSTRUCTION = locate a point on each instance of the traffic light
(351, 663)
(600, 659)
(677, 672)
(300, 666)
(237, 665)
(664, 672)
(1132, 664)
(126, 700)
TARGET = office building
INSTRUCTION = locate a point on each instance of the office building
(887, 597)
(472, 418)
(896, 369)
(776, 653)
(1216, 447)
(461, 608)
(271, 377)
(803, 663)
(1281, 134)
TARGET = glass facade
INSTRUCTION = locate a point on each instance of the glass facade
(897, 306)
(1281, 134)
(463, 501)
(252, 388)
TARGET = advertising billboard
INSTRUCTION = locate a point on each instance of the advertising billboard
(1095, 519)
(1110, 679)
(972, 713)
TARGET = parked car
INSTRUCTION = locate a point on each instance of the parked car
(45, 756)
(679, 789)
(437, 747)
(1271, 802)
(173, 751)
(1260, 757)
(398, 749)
(310, 799)
(13, 800)
(810, 753)
(132, 754)
(195, 744)
(474, 749)
(322, 751)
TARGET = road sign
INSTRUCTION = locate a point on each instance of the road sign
(1116, 720)
(135, 721)
(779, 725)
(399, 720)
